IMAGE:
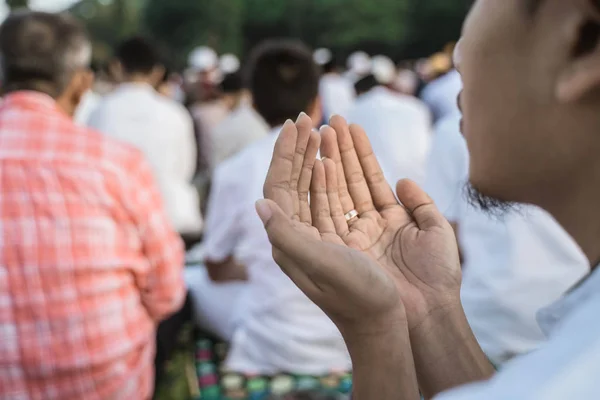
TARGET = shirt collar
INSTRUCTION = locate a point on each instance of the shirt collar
(549, 318)
(31, 99)
(136, 87)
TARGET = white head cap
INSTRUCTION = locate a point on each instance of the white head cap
(322, 56)
(383, 69)
(359, 63)
(229, 64)
(203, 58)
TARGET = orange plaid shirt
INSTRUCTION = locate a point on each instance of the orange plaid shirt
(89, 263)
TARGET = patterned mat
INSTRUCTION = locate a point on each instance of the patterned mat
(216, 384)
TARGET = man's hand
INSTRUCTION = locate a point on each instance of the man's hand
(345, 282)
(390, 263)
(352, 288)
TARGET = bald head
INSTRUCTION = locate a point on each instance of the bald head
(42, 52)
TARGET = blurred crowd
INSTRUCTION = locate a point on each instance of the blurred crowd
(128, 190)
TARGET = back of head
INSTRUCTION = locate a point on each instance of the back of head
(366, 84)
(232, 83)
(283, 79)
(138, 56)
(42, 52)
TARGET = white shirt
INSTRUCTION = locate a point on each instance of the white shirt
(567, 366)
(280, 329)
(241, 128)
(337, 95)
(441, 95)
(513, 265)
(86, 108)
(399, 128)
(163, 130)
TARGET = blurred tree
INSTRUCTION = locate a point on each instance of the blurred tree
(182, 25)
(399, 28)
(109, 22)
(432, 24)
(14, 4)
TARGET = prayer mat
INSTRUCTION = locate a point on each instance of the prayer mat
(218, 384)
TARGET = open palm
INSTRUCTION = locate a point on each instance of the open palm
(363, 266)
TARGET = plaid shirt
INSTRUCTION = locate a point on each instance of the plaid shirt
(88, 262)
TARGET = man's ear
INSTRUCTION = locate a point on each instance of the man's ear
(70, 99)
(582, 74)
(115, 69)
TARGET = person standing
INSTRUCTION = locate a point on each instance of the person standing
(89, 263)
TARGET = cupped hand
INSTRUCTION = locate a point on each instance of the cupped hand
(346, 283)
(389, 263)
(410, 240)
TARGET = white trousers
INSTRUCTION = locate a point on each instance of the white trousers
(217, 306)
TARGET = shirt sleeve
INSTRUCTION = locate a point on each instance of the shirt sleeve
(162, 286)
(447, 169)
(222, 228)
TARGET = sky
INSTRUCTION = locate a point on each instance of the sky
(43, 5)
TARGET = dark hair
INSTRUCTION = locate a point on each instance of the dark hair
(138, 55)
(365, 84)
(41, 51)
(331, 65)
(232, 83)
(283, 79)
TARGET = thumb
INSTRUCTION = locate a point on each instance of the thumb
(280, 229)
(420, 205)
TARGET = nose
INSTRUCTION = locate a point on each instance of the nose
(457, 56)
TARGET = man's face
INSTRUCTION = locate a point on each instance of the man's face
(524, 140)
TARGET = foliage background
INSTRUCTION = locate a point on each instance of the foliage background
(402, 29)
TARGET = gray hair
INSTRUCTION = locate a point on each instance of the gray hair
(42, 51)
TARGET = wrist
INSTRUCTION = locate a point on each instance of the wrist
(446, 351)
(375, 330)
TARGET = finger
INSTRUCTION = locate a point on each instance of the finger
(330, 150)
(335, 206)
(319, 202)
(277, 183)
(304, 128)
(353, 172)
(306, 174)
(420, 205)
(380, 190)
(301, 256)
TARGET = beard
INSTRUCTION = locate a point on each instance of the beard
(489, 205)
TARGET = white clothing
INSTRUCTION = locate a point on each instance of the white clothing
(163, 130)
(337, 95)
(399, 128)
(513, 265)
(441, 95)
(279, 329)
(241, 128)
(86, 108)
(217, 306)
(567, 366)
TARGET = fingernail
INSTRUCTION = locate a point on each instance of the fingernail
(263, 210)
(302, 115)
(321, 129)
(323, 159)
(289, 121)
